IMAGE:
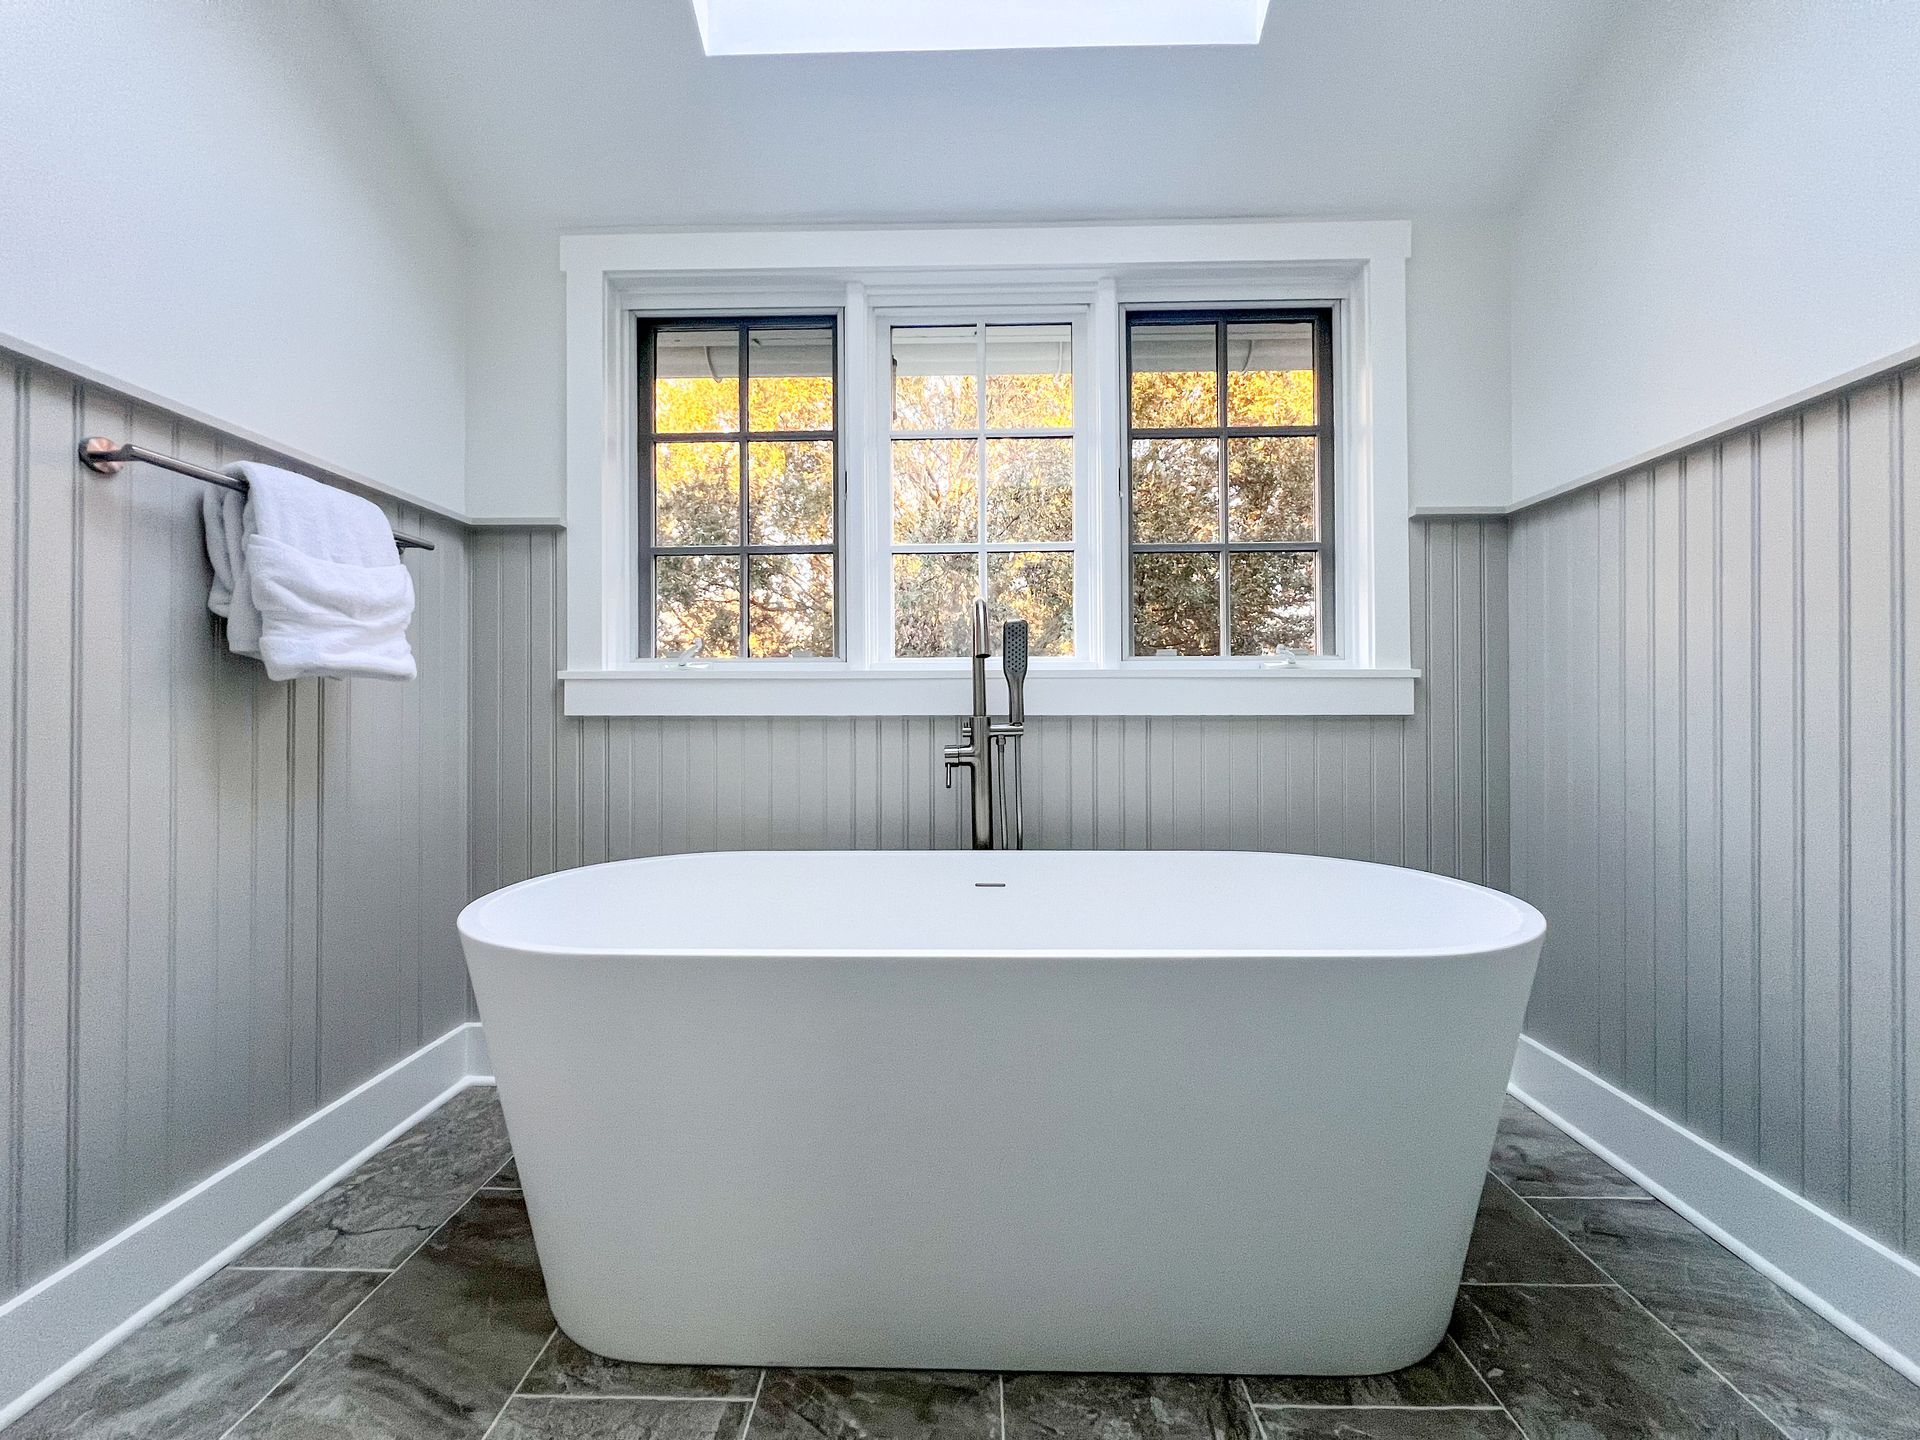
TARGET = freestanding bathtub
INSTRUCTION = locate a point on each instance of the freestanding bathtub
(1144, 1111)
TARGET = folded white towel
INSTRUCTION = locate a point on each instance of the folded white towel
(308, 577)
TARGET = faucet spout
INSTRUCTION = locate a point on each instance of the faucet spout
(982, 647)
(982, 641)
(982, 747)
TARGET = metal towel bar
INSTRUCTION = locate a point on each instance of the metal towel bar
(105, 458)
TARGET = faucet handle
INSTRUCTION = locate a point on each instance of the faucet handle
(1013, 661)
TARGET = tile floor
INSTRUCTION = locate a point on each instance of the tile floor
(407, 1303)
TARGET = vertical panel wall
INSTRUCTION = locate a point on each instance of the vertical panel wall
(1713, 800)
(1431, 790)
(227, 901)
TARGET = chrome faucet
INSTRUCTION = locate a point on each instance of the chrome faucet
(982, 747)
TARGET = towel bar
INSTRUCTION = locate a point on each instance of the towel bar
(105, 458)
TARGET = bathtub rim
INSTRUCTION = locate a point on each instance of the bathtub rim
(1529, 928)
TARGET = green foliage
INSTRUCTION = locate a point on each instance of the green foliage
(790, 492)
(1272, 494)
(1175, 399)
(1270, 600)
(697, 603)
(1029, 490)
(936, 494)
(1030, 402)
(1035, 586)
(1176, 490)
(790, 605)
(696, 493)
(1176, 603)
(936, 501)
(1270, 397)
(1273, 490)
(790, 485)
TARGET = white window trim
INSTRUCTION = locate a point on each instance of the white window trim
(1101, 270)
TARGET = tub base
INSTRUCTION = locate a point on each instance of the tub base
(1213, 1166)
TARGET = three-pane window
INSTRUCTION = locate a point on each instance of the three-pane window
(1229, 462)
(981, 459)
(739, 488)
(1225, 498)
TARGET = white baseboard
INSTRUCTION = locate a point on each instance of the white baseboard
(479, 1063)
(1867, 1289)
(52, 1330)
(56, 1327)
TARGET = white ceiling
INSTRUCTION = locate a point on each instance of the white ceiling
(572, 113)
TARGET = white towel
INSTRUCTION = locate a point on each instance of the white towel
(307, 577)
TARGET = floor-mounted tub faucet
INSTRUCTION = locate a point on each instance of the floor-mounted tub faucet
(984, 741)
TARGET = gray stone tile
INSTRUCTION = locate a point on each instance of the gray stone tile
(1812, 1379)
(1535, 1158)
(877, 1405)
(1126, 1407)
(1443, 1378)
(565, 1368)
(377, 1215)
(1512, 1245)
(197, 1366)
(1388, 1425)
(507, 1178)
(1583, 1364)
(618, 1419)
(435, 1351)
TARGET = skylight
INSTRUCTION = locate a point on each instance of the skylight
(807, 27)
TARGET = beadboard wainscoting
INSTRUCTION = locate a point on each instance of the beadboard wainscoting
(1715, 799)
(228, 901)
(1429, 790)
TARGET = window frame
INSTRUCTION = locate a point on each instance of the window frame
(1325, 548)
(1357, 269)
(877, 598)
(647, 331)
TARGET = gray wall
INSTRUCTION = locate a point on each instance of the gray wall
(549, 792)
(226, 901)
(1713, 708)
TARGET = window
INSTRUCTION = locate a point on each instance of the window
(981, 467)
(1177, 451)
(780, 27)
(739, 506)
(1230, 483)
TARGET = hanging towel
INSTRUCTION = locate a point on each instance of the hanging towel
(308, 577)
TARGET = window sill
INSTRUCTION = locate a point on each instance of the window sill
(830, 688)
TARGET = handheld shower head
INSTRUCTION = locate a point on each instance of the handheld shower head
(1013, 660)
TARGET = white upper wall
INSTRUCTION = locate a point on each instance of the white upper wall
(1457, 392)
(216, 204)
(1730, 217)
(1459, 452)
(517, 379)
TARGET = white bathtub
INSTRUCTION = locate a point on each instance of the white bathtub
(1141, 1111)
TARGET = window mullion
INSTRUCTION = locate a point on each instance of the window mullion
(980, 458)
(1220, 402)
(746, 424)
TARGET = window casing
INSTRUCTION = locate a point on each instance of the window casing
(1350, 275)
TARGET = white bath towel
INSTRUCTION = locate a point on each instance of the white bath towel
(308, 577)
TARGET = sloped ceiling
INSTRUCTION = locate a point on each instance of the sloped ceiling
(574, 113)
